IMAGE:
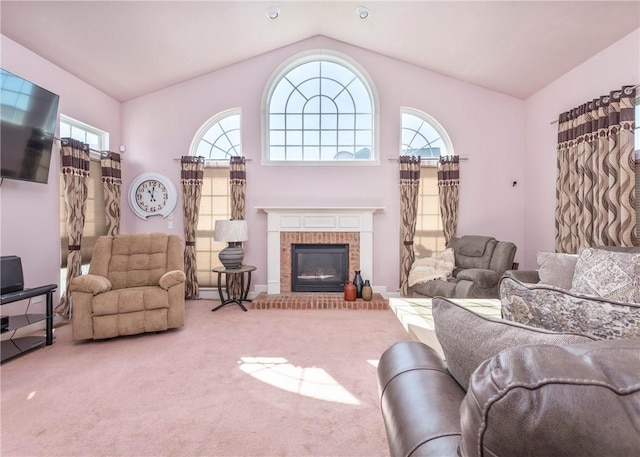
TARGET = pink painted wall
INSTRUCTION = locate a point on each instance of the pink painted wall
(29, 212)
(484, 126)
(615, 66)
(505, 140)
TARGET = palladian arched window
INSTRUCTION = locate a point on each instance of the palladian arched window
(320, 109)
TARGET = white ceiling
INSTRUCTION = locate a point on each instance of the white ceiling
(131, 48)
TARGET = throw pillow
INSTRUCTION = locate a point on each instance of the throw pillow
(439, 267)
(468, 338)
(608, 274)
(556, 269)
(549, 307)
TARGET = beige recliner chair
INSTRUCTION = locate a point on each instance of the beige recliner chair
(135, 285)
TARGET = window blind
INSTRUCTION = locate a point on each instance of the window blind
(429, 238)
(215, 204)
(95, 223)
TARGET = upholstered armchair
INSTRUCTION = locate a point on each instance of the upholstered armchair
(135, 285)
(480, 261)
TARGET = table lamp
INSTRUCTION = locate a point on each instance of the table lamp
(233, 232)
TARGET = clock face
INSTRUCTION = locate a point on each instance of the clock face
(152, 196)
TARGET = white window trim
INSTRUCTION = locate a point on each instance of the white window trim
(193, 148)
(435, 124)
(310, 56)
(104, 136)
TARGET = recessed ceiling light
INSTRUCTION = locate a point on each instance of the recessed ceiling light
(363, 12)
(272, 12)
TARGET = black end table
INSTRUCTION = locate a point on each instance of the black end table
(14, 346)
(238, 274)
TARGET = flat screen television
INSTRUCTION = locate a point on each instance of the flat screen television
(28, 116)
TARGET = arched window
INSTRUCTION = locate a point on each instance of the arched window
(217, 140)
(219, 137)
(319, 108)
(423, 136)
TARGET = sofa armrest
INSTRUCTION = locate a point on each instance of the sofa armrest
(420, 401)
(172, 278)
(92, 284)
(552, 308)
(527, 276)
(580, 400)
(483, 278)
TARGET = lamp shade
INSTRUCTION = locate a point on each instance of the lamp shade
(231, 231)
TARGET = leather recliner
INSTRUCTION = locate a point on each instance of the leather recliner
(480, 262)
(538, 400)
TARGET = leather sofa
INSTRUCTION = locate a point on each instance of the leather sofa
(135, 285)
(480, 261)
(580, 399)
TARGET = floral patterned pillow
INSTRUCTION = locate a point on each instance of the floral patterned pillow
(549, 307)
(608, 274)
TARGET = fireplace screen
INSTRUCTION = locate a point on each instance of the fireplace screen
(319, 267)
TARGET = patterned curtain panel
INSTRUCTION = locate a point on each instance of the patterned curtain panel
(75, 170)
(191, 179)
(409, 191)
(595, 186)
(238, 180)
(112, 184)
(449, 194)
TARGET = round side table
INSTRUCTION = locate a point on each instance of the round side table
(229, 296)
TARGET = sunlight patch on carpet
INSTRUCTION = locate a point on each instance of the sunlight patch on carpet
(312, 382)
(373, 362)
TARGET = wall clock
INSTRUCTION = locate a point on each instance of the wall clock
(152, 194)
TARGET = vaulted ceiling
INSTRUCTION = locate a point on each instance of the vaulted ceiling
(131, 48)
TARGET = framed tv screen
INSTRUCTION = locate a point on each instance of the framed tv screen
(28, 118)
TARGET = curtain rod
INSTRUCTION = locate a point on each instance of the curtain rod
(426, 159)
(213, 160)
(556, 120)
(102, 153)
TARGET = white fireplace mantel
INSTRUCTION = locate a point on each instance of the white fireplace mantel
(317, 219)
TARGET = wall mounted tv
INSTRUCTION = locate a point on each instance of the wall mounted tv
(28, 116)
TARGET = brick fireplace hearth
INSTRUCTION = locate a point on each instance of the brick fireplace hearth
(299, 300)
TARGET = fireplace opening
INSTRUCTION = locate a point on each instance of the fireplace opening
(319, 267)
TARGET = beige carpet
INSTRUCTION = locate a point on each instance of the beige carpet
(230, 383)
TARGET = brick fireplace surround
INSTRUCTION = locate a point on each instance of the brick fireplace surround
(289, 238)
(346, 225)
